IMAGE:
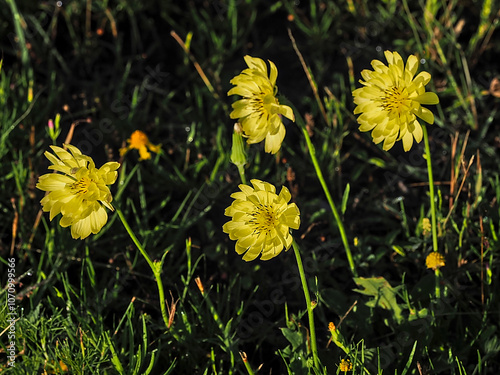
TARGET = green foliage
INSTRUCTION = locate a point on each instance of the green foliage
(382, 293)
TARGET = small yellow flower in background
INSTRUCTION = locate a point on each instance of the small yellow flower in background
(261, 220)
(140, 141)
(80, 193)
(435, 260)
(331, 327)
(391, 100)
(426, 226)
(62, 366)
(259, 112)
(345, 365)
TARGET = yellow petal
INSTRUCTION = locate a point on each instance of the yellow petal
(417, 133)
(428, 98)
(285, 194)
(287, 112)
(425, 115)
(407, 141)
(53, 181)
(273, 141)
(273, 74)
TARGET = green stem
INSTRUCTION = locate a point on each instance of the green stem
(433, 204)
(18, 21)
(321, 179)
(431, 189)
(241, 171)
(155, 267)
(247, 365)
(312, 329)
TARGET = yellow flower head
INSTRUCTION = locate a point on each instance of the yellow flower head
(426, 226)
(331, 327)
(261, 220)
(391, 100)
(140, 141)
(80, 193)
(435, 260)
(345, 365)
(259, 111)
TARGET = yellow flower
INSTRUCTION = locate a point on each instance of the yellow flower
(345, 365)
(261, 220)
(391, 100)
(426, 226)
(140, 141)
(435, 260)
(259, 112)
(80, 193)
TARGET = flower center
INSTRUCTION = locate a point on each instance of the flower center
(262, 102)
(264, 219)
(395, 99)
(81, 186)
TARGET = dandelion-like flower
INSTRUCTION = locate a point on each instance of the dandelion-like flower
(140, 141)
(345, 365)
(261, 220)
(80, 193)
(259, 111)
(435, 260)
(391, 100)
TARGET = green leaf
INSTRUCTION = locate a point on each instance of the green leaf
(384, 295)
(410, 359)
(294, 337)
(114, 356)
(345, 197)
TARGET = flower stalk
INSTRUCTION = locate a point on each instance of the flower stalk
(310, 313)
(319, 174)
(432, 202)
(155, 266)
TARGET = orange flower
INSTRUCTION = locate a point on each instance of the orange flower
(140, 141)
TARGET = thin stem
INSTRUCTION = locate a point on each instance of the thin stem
(431, 189)
(432, 201)
(340, 225)
(241, 171)
(312, 329)
(247, 365)
(155, 267)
